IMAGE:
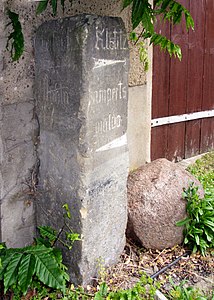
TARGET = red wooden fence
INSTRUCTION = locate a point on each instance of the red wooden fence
(185, 87)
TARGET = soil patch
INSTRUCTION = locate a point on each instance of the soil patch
(195, 269)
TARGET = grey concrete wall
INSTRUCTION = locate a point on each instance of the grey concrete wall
(17, 156)
(139, 120)
(18, 124)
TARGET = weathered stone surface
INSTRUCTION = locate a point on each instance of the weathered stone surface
(82, 85)
(17, 160)
(155, 203)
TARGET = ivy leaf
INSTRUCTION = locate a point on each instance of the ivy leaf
(41, 6)
(26, 271)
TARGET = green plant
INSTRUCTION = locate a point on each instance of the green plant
(203, 170)
(41, 262)
(145, 288)
(180, 292)
(142, 13)
(199, 225)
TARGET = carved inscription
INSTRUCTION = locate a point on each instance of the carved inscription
(109, 95)
(58, 94)
(110, 39)
(107, 124)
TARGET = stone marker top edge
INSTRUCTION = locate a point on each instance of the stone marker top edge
(91, 18)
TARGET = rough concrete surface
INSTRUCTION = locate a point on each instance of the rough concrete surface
(17, 128)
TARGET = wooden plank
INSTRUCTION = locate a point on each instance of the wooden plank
(208, 86)
(159, 142)
(178, 86)
(175, 141)
(192, 138)
(160, 88)
(160, 95)
(207, 135)
(178, 70)
(207, 125)
(195, 77)
(196, 57)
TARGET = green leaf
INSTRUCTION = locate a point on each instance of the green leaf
(137, 12)
(5, 261)
(209, 236)
(11, 272)
(26, 271)
(15, 41)
(133, 36)
(210, 224)
(194, 249)
(38, 249)
(63, 5)
(126, 3)
(103, 289)
(54, 6)
(197, 239)
(68, 213)
(47, 232)
(48, 271)
(41, 6)
(183, 222)
(189, 21)
(186, 240)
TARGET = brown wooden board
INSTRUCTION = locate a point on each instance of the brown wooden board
(195, 58)
(178, 70)
(208, 83)
(192, 138)
(195, 77)
(160, 95)
(207, 135)
(185, 87)
(159, 142)
(160, 91)
(175, 147)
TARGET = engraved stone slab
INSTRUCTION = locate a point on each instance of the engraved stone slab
(82, 94)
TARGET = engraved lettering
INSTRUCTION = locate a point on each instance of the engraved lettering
(110, 39)
(110, 95)
(107, 124)
(59, 95)
(99, 39)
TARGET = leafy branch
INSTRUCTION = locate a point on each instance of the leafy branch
(144, 14)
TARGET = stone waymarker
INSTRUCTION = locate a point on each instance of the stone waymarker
(82, 92)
